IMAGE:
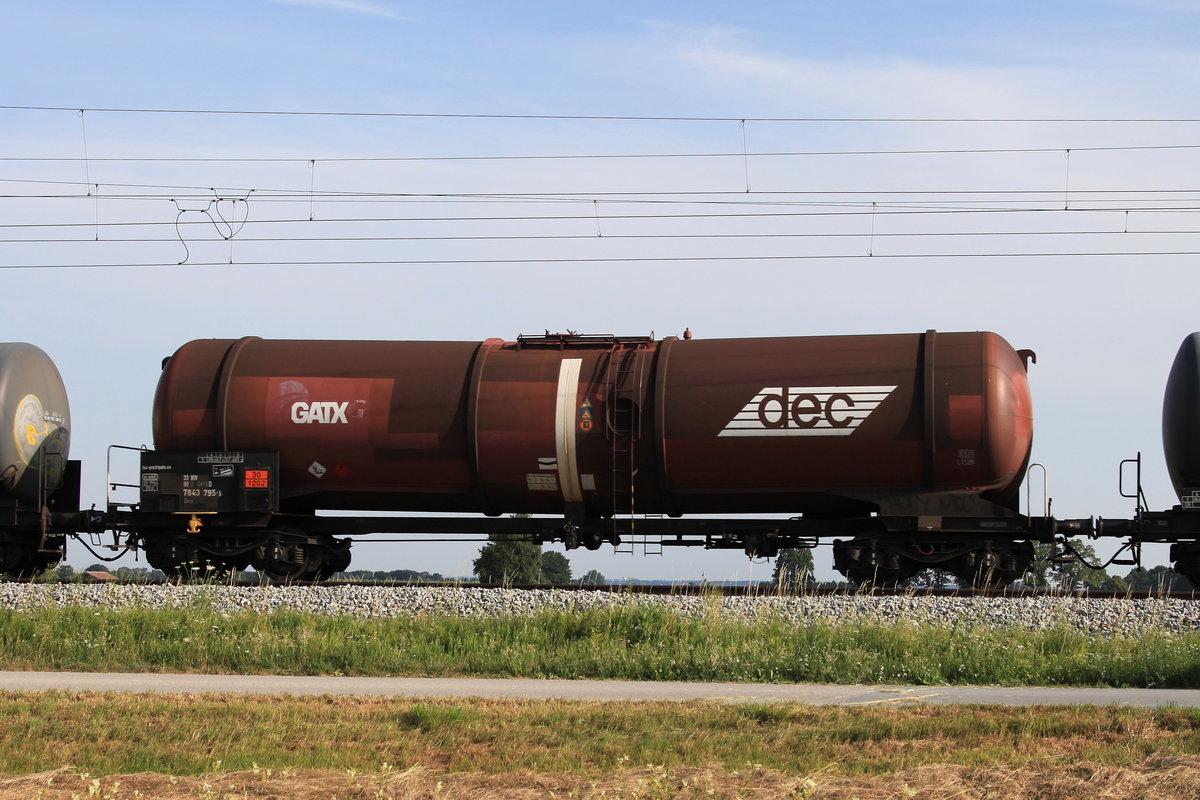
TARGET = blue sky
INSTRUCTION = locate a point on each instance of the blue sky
(625, 58)
(1105, 326)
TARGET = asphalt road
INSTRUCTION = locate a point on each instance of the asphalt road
(592, 690)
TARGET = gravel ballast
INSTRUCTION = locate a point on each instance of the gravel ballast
(1099, 616)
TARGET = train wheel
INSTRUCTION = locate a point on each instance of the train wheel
(291, 567)
(287, 556)
(24, 573)
(43, 562)
(198, 570)
(21, 562)
(281, 574)
(881, 578)
(168, 553)
(336, 559)
(182, 558)
(993, 566)
(333, 557)
(227, 557)
(23, 558)
(872, 562)
(1185, 558)
(1189, 571)
(231, 566)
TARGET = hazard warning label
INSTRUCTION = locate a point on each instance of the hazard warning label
(586, 417)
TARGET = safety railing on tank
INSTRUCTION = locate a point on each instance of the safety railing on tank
(1138, 496)
(1029, 493)
(111, 486)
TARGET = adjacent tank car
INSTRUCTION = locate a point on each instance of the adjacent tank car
(1181, 422)
(1180, 524)
(35, 476)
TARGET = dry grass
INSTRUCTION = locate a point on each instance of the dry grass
(125, 747)
(1162, 778)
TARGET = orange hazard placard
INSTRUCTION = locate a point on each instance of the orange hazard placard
(258, 479)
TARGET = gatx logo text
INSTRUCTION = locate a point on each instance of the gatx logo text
(324, 412)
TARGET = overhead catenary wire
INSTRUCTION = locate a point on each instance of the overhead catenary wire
(595, 117)
(965, 200)
(581, 196)
(618, 236)
(462, 262)
(692, 196)
(589, 217)
(643, 207)
(584, 156)
(1080, 203)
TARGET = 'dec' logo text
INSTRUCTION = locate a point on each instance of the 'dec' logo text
(807, 410)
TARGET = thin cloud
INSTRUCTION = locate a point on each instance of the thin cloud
(351, 6)
(1182, 6)
(1048, 82)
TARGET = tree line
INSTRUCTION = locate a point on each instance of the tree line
(504, 560)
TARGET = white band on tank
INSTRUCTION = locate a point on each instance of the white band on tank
(564, 429)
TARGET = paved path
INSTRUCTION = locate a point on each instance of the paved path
(591, 690)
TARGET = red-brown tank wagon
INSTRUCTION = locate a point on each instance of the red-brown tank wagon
(912, 446)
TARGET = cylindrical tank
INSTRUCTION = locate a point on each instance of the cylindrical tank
(610, 424)
(33, 405)
(1181, 422)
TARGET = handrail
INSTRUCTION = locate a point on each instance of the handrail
(1138, 495)
(1029, 492)
(110, 485)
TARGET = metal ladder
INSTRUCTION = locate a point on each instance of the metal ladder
(623, 418)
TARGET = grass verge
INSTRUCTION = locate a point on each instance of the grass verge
(636, 643)
(192, 735)
(203, 746)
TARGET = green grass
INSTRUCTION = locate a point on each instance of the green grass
(635, 643)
